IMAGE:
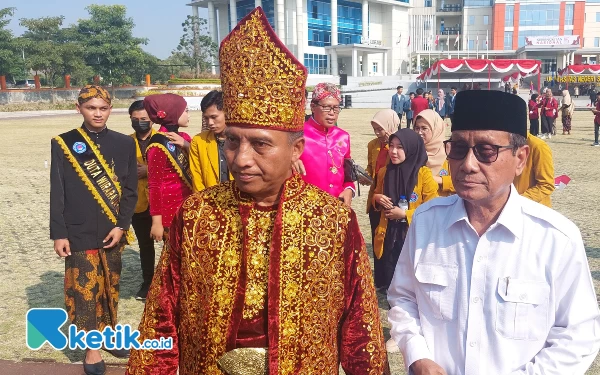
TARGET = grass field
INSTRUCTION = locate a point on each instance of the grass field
(31, 275)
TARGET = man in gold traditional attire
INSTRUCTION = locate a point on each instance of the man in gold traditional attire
(265, 261)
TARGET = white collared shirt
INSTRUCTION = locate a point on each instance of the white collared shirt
(517, 300)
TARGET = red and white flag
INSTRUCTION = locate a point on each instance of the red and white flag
(408, 45)
(437, 40)
(457, 38)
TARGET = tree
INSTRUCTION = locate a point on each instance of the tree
(195, 47)
(9, 60)
(109, 44)
(425, 63)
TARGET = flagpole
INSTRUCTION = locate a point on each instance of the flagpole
(487, 44)
(477, 46)
(448, 43)
(468, 45)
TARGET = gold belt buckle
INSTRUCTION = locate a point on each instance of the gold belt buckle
(244, 361)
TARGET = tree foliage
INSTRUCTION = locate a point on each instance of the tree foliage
(101, 45)
(9, 59)
(196, 48)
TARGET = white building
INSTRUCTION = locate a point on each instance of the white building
(331, 37)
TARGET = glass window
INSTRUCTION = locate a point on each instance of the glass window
(508, 15)
(375, 66)
(471, 44)
(569, 9)
(349, 22)
(508, 37)
(534, 15)
(479, 3)
(316, 64)
(568, 32)
(428, 3)
(486, 20)
(471, 20)
(243, 7)
(598, 17)
(596, 42)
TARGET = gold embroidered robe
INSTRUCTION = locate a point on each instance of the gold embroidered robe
(321, 303)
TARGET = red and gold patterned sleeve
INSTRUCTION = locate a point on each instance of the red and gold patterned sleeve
(362, 349)
(161, 314)
(157, 161)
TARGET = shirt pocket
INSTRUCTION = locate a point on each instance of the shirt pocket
(522, 309)
(438, 283)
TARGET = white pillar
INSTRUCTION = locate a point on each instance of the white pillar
(365, 19)
(597, 59)
(572, 58)
(232, 13)
(365, 64)
(300, 30)
(334, 19)
(257, 3)
(385, 64)
(280, 19)
(335, 70)
(354, 63)
(212, 27)
(223, 21)
(564, 62)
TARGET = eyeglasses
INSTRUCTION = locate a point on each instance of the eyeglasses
(327, 108)
(483, 152)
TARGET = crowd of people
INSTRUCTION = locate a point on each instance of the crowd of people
(263, 254)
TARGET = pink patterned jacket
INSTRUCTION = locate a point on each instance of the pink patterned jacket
(324, 155)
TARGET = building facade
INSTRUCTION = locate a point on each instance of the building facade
(557, 32)
(392, 37)
(332, 37)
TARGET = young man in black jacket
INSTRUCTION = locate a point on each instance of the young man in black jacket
(93, 193)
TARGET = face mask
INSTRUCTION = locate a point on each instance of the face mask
(141, 127)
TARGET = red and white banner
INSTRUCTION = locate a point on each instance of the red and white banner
(580, 69)
(484, 68)
(553, 40)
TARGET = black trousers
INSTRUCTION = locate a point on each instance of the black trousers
(596, 130)
(408, 122)
(547, 122)
(142, 223)
(385, 266)
(534, 126)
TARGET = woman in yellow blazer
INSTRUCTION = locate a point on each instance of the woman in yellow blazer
(384, 123)
(404, 176)
(431, 127)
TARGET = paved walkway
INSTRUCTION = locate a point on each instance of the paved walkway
(45, 368)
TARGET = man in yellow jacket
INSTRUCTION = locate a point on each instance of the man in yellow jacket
(142, 221)
(537, 180)
(207, 153)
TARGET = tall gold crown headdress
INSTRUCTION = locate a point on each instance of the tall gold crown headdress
(262, 81)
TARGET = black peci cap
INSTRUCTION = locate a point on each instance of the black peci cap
(490, 110)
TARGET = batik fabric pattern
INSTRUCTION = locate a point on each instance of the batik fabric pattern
(321, 306)
(92, 287)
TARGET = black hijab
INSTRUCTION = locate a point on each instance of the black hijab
(400, 179)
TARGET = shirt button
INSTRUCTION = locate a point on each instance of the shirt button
(480, 258)
(476, 299)
(331, 185)
(472, 344)
(523, 296)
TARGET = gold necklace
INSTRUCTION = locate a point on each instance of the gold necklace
(335, 168)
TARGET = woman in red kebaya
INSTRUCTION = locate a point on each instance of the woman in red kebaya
(169, 178)
(534, 114)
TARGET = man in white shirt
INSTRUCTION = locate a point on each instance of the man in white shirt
(489, 282)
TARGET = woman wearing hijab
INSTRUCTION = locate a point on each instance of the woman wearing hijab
(567, 112)
(384, 123)
(169, 177)
(404, 176)
(430, 126)
(440, 105)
